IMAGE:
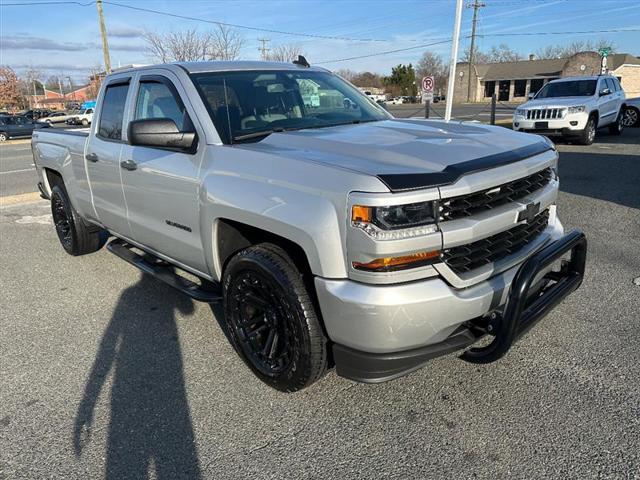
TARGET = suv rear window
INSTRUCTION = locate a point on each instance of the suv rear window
(112, 114)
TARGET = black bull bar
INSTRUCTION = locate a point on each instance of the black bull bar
(523, 310)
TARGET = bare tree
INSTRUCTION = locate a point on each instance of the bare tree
(432, 64)
(577, 46)
(227, 44)
(179, 46)
(284, 53)
(223, 43)
(347, 74)
(368, 79)
(497, 54)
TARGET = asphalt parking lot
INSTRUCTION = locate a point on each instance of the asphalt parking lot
(107, 373)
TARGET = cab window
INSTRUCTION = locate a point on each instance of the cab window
(156, 100)
(112, 115)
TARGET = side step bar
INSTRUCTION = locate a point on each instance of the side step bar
(207, 292)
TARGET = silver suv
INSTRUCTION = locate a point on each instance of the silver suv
(574, 107)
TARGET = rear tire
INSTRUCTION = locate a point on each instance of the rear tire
(588, 135)
(271, 320)
(75, 237)
(617, 127)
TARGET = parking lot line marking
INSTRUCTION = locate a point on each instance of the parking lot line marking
(18, 171)
(20, 198)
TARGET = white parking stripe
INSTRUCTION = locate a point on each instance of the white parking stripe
(18, 171)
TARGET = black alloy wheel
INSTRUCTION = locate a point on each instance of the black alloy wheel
(262, 322)
(270, 318)
(63, 220)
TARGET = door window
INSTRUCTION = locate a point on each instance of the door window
(610, 85)
(156, 100)
(112, 116)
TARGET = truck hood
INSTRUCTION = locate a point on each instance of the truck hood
(405, 153)
(556, 102)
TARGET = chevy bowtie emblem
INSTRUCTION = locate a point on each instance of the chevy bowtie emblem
(529, 213)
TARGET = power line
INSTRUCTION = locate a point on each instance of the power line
(245, 27)
(386, 52)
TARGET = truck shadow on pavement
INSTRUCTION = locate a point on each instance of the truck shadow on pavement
(603, 176)
(150, 422)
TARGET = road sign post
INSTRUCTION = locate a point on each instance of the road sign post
(427, 88)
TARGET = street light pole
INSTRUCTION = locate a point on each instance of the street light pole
(454, 59)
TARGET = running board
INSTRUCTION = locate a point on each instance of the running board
(208, 292)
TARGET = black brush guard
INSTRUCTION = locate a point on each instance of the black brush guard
(523, 310)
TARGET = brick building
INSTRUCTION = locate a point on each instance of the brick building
(513, 81)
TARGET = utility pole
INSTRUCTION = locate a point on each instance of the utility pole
(263, 49)
(103, 33)
(454, 59)
(475, 5)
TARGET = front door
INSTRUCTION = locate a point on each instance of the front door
(161, 185)
(102, 160)
(503, 90)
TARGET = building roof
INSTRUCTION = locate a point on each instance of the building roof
(541, 68)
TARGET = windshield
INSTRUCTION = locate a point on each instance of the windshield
(577, 88)
(247, 106)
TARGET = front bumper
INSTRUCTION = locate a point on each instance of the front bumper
(571, 124)
(383, 332)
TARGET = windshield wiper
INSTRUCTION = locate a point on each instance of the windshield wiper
(261, 133)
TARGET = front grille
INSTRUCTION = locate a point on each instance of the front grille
(491, 249)
(545, 113)
(467, 205)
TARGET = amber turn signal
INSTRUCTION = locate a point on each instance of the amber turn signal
(361, 214)
(391, 264)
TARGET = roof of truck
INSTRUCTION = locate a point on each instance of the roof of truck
(223, 66)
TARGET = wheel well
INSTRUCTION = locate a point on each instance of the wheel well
(235, 236)
(53, 178)
(595, 115)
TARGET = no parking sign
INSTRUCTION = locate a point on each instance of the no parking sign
(427, 88)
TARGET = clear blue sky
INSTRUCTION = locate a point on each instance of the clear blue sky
(64, 39)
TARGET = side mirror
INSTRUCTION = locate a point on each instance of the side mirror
(605, 91)
(159, 132)
(531, 95)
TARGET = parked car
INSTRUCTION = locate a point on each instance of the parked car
(15, 126)
(332, 235)
(83, 117)
(395, 101)
(35, 114)
(574, 107)
(55, 117)
(632, 113)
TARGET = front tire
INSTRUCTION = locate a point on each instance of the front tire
(271, 320)
(617, 127)
(3, 137)
(588, 135)
(631, 117)
(75, 237)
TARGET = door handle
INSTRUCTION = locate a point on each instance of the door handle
(92, 157)
(128, 165)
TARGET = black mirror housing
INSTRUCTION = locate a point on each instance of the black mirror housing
(159, 132)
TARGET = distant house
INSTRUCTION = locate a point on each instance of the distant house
(513, 81)
(54, 100)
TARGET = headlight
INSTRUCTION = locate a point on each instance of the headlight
(397, 221)
(577, 109)
(521, 112)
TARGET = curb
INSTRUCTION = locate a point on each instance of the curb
(11, 200)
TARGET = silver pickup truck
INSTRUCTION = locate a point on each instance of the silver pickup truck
(333, 233)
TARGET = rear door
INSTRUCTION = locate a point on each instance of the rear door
(102, 158)
(161, 186)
